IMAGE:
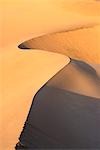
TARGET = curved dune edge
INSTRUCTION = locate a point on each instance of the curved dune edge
(18, 78)
(80, 43)
(23, 73)
(28, 23)
(85, 82)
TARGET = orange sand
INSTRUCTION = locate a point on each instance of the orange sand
(24, 72)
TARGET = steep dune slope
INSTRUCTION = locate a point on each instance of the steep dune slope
(86, 80)
(81, 44)
(24, 72)
(65, 111)
(27, 20)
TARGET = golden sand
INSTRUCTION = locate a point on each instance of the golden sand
(20, 70)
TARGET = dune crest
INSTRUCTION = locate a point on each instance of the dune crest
(24, 72)
(73, 43)
(85, 81)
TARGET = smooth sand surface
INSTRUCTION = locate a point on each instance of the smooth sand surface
(27, 20)
(74, 43)
(24, 72)
(86, 80)
(65, 111)
(60, 118)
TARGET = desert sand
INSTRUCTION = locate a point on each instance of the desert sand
(72, 43)
(59, 117)
(23, 72)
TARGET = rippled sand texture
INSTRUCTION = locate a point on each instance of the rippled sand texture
(24, 72)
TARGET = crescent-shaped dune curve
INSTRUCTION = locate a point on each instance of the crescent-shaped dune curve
(24, 72)
(75, 43)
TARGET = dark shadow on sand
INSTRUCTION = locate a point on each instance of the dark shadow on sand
(62, 119)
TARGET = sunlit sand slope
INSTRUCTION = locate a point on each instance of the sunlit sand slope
(24, 72)
(83, 43)
(23, 20)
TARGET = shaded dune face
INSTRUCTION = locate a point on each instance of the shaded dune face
(83, 43)
(62, 119)
(86, 79)
(25, 72)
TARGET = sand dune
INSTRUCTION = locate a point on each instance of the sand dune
(60, 118)
(22, 75)
(74, 43)
(24, 72)
(41, 16)
(85, 81)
